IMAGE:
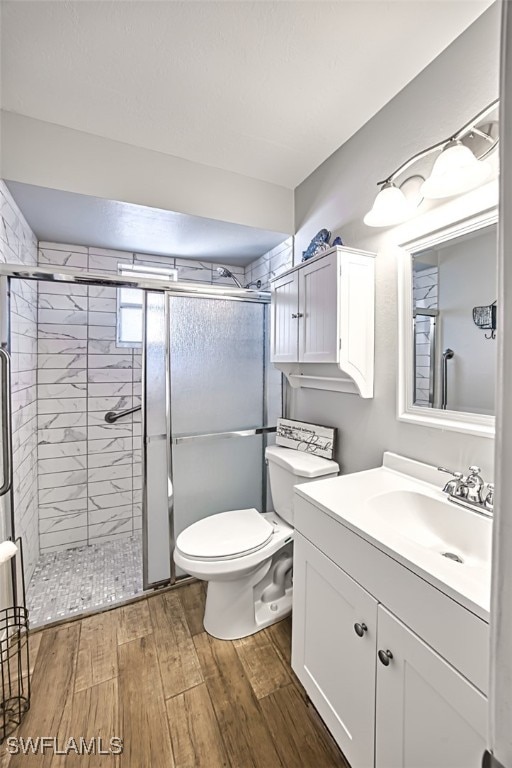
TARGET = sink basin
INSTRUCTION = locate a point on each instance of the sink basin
(401, 509)
(435, 524)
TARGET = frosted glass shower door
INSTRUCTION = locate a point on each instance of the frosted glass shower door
(217, 387)
(157, 486)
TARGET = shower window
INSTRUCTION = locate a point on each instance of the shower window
(129, 303)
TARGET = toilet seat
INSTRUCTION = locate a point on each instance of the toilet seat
(225, 535)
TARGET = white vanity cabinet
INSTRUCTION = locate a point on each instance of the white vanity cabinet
(427, 714)
(322, 322)
(333, 651)
(409, 709)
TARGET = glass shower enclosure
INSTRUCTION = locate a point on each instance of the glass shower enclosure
(205, 416)
(207, 392)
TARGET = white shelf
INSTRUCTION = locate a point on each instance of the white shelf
(329, 383)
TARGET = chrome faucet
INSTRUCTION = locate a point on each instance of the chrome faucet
(456, 486)
(470, 491)
(489, 498)
(475, 486)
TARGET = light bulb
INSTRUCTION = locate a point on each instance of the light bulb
(455, 171)
(390, 207)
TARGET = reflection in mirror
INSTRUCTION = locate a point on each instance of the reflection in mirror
(454, 358)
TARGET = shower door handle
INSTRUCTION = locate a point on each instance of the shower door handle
(213, 436)
(5, 372)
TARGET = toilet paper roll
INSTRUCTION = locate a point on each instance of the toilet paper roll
(7, 550)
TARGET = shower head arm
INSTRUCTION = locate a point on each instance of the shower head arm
(224, 272)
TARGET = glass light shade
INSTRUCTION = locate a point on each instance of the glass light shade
(390, 207)
(456, 170)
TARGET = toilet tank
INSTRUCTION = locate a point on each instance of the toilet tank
(287, 468)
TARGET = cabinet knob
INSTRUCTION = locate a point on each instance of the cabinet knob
(360, 629)
(385, 657)
(295, 315)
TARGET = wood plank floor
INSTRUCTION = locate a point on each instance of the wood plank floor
(149, 674)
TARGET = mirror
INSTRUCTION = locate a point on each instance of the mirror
(448, 328)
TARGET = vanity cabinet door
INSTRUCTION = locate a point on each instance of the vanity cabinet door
(284, 338)
(318, 311)
(332, 653)
(428, 715)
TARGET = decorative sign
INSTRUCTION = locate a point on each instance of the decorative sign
(310, 438)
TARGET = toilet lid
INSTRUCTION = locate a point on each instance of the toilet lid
(226, 534)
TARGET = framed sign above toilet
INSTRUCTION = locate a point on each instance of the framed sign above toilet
(310, 438)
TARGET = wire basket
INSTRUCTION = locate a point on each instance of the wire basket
(14, 653)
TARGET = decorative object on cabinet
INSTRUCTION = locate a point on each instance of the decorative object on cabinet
(322, 322)
(309, 438)
(461, 165)
(319, 243)
(485, 318)
(337, 241)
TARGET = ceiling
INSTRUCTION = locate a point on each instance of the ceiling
(66, 217)
(264, 89)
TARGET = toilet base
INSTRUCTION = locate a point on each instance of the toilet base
(234, 609)
(227, 623)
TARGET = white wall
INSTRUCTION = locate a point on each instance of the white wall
(460, 82)
(500, 690)
(48, 155)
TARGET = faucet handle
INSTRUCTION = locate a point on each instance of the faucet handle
(474, 470)
(458, 475)
(457, 486)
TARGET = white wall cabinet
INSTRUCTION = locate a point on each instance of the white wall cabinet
(408, 709)
(318, 311)
(284, 322)
(322, 322)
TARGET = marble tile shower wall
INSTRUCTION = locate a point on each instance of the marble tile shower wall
(90, 471)
(270, 265)
(18, 245)
(425, 296)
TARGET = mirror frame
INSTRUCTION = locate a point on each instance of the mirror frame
(457, 421)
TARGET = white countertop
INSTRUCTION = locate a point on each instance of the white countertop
(351, 500)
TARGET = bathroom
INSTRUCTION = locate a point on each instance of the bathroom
(144, 277)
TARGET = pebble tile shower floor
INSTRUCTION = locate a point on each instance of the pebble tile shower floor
(70, 581)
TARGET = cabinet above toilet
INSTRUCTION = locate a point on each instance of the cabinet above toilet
(322, 322)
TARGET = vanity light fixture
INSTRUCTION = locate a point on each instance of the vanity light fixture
(458, 168)
(390, 207)
(455, 171)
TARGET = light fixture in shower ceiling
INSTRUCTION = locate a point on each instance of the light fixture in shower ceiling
(461, 165)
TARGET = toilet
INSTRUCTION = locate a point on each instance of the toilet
(246, 556)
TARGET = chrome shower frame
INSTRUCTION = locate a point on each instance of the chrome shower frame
(168, 289)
